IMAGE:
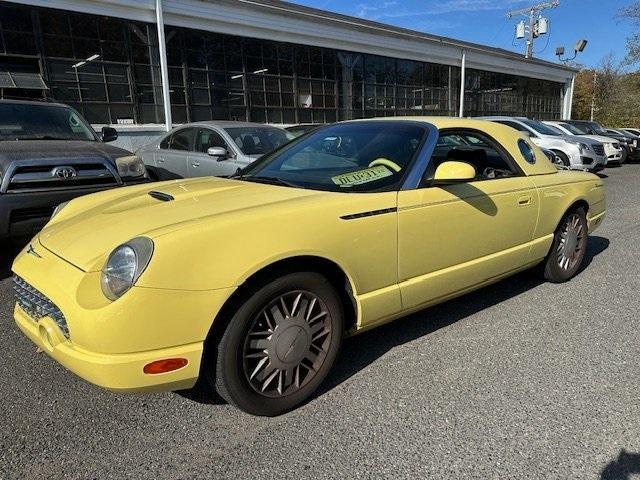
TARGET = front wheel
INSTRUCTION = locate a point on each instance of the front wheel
(563, 157)
(280, 344)
(568, 249)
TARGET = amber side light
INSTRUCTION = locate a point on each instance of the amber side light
(164, 366)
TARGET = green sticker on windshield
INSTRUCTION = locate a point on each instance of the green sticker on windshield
(362, 176)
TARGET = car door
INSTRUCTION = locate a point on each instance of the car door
(457, 236)
(202, 164)
(173, 154)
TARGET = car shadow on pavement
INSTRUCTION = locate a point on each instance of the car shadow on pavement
(623, 467)
(360, 351)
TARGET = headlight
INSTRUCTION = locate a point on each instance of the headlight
(582, 147)
(124, 266)
(59, 208)
(131, 166)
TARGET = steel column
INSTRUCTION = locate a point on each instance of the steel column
(164, 70)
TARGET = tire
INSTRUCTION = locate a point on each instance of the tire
(153, 175)
(563, 156)
(568, 249)
(279, 345)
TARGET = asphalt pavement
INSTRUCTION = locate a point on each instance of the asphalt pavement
(522, 379)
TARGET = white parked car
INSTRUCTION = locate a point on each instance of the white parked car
(612, 148)
(577, 153)
(215, 148)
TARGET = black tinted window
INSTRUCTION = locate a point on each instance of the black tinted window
(515, 125)
(207, 139)
(164, 144)
(182, 140)
(527, 151)
(258, 140)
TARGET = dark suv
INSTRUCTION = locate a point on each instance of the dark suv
(629, 144)
(48, 155)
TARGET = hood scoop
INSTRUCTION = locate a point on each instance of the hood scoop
(163, 197)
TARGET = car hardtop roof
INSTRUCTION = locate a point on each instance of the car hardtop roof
(502, 117)
(438, 122)
(32, 102)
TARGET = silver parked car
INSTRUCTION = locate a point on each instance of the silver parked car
(612, 149)
(575, 152)
(215, 148)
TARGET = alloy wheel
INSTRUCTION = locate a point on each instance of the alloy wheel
(571, 244)
(287, 343)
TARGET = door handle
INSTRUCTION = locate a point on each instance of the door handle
(195, 164)
(524, 201)
(160, 160)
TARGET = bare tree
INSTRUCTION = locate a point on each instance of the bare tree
(631, 14)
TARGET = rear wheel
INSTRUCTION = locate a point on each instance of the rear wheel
(568, 249)
(280, 344)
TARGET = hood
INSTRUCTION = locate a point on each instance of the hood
(13, 150)
(550, 142)
(600, 138)
(90, 227)
(581, 139)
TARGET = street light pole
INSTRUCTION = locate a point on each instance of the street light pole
(164, 70)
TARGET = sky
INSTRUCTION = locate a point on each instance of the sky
(485, 22)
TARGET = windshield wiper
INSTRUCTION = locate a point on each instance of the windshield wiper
(268, 180)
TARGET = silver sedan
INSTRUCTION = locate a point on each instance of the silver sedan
(215, 148)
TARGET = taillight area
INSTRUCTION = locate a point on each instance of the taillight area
(164, 366)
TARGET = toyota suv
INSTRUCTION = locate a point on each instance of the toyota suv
(49, 154)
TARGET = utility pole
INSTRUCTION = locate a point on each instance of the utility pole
(593, 95)
(536, 26)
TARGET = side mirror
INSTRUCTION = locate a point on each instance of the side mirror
(454, 172)
(219, 152)
(109, 134)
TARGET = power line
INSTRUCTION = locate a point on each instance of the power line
(536, 27)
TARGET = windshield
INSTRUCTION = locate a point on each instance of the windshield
(42, 122)
(542, 129)
(358, 156)
(572, 129)
(597, 128)
(256, 141)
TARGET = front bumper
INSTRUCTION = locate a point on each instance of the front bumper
(24, 214)
(593, 163)
(120, 372)
(109, 343)
(593, 222)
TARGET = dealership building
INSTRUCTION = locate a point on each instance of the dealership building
(173, 61)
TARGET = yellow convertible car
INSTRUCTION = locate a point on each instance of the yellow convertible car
(250, 283)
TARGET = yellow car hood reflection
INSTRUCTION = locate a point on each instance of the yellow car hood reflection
(85, 237)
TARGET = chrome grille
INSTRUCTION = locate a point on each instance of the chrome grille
(58, 174)
(598, 148)
(37, 305)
